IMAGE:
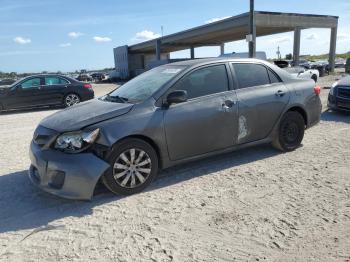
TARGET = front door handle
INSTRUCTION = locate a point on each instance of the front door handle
(280, 93)
(228, 104)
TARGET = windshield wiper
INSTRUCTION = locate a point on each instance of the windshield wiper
(116, 99)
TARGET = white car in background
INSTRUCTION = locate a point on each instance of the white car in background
(304, 73)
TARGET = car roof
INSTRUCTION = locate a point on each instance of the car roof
(43, 75)
(200, 61)
(48, 75)
(206, 61)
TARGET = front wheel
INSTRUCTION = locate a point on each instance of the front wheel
(134, 164)
(71, 99)
(290, 132)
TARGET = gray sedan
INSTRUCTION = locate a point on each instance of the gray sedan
(170, 115)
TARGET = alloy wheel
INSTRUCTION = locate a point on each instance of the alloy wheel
(132, 168)
(72, 99)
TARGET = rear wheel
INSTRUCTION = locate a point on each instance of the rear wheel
(291, 132)
(314, 77)
(71, 99)
(134, 164)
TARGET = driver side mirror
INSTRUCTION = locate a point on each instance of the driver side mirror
(176, 97)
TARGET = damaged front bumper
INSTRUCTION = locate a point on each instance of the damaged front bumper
(72, 176)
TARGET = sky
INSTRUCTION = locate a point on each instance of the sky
(69, 35)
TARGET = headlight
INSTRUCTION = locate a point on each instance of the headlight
(331, 92)
(75, 142)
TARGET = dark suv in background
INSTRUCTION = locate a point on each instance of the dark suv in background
(347, 66)
(44, 90)
(339, 95)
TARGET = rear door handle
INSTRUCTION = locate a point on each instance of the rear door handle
(280, 93)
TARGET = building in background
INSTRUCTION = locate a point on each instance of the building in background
(135, 59)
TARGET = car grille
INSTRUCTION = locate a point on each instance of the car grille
(42, 136)
(342, 92)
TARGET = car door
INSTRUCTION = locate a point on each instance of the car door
(208, 120)
(25, 94)
(53, 89)
(261, 96)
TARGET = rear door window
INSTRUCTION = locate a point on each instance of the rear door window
(49, 81)
(249, 75)
(204, 81)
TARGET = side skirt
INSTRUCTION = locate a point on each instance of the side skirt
(167, 163)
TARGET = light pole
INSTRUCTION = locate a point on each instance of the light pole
(252, 30)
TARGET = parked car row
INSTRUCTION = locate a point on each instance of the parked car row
(94, 77)
(321, 66)
(84, 78)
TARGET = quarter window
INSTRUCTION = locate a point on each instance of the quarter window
(205, 81)
(251, 75)
(273, 77)
(33, 82)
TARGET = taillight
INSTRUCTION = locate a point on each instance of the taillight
(88, 86)
(317, 90)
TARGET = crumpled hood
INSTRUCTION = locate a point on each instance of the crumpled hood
(84, 114)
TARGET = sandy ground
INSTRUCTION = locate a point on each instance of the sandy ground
(251, 205)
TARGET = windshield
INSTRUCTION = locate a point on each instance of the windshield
(145, 85)
(15, 83)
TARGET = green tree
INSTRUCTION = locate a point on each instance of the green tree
(289, 56)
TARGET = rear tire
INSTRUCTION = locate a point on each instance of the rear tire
(71, 99)
(134, 165)
(314, 77)
(290, 132)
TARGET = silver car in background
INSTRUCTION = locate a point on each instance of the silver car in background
(167, 116)
(304, 73)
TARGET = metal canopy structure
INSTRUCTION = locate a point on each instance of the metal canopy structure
(236, 28)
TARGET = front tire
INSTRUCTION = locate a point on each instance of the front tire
(134, 165)
(290, 132)
(314, 77)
